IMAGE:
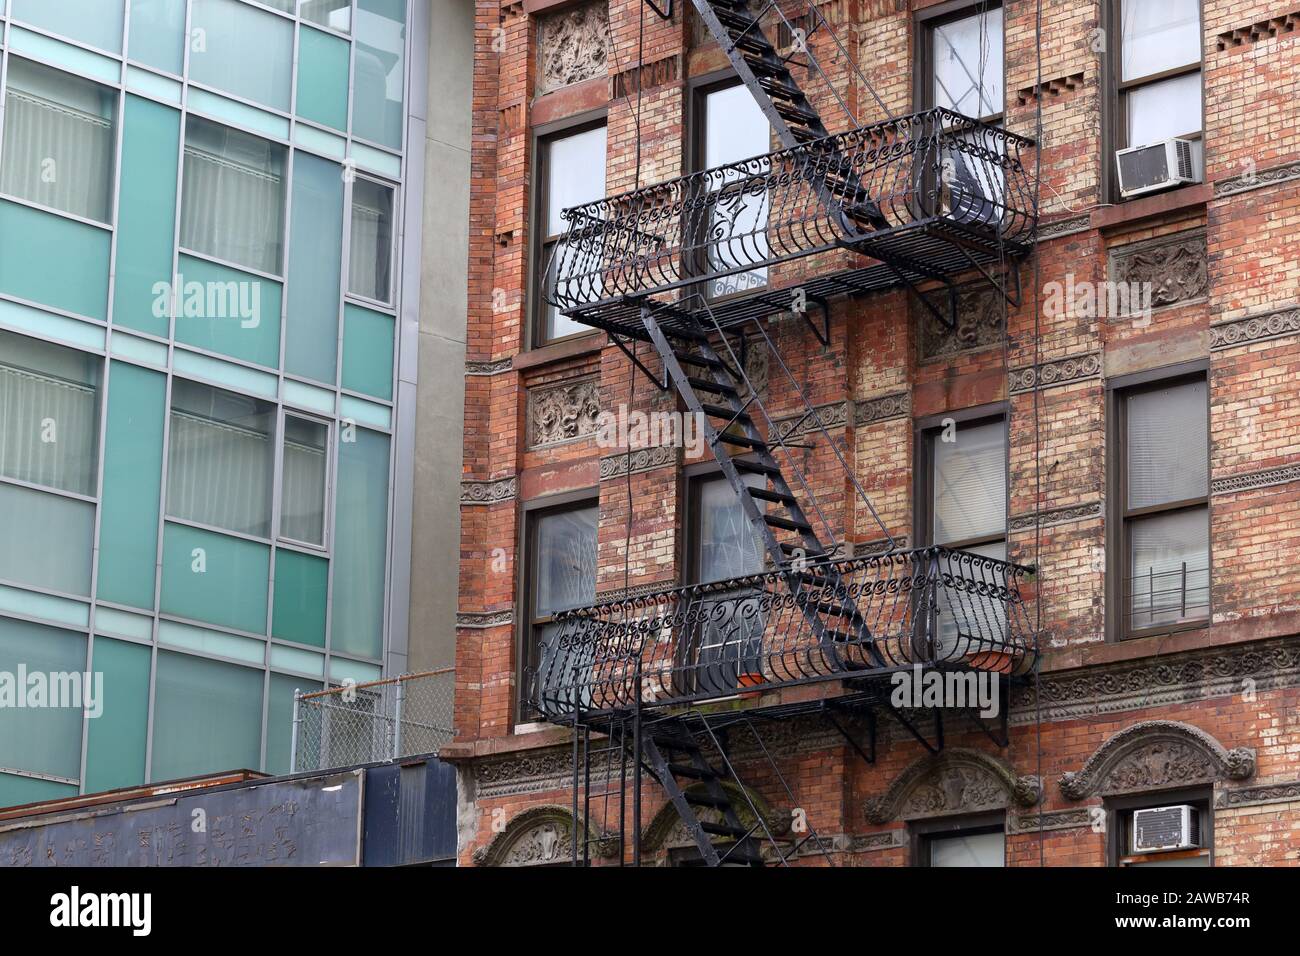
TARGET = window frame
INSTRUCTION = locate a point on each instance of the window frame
(923, 833)
(535, 306)
(1119, 813)
(695, 477)
(527, 621)
(1114, 121)
(1117, 510)
(926, 22)
(394, 190)
(925, 429)
(327, 522)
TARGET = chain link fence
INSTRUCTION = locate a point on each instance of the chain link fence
(371, 722)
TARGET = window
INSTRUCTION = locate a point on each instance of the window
(303, 480)
(49, 414)
(571, 171)
(59, 141)
(723, 544)
(1161, 489)
(242, 50)
(962, 67)
(1168, 829)
(962, 844)
(964, 502)
(232, 201)
(371, 251)
(219, 459)
(379, 72)
(1159, 76)
(732, 128)
(96, 22)
(561, 574)
(336, 14)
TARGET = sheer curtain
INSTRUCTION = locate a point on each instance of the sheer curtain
(372, 240)
(302, 496)
(232, 201)
(58, 141)
(27, 400)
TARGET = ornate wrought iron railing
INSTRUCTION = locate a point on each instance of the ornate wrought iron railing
(860, 189)
(929, 606)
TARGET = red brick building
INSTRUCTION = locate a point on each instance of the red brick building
(1114, 410)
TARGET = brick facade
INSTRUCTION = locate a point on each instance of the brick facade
(1185, 698)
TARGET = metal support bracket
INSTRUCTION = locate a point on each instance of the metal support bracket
(660, 383)
(665, 14)
(869, 754)
(907, 725)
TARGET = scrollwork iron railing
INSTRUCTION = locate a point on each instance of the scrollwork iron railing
(928, 606)
(860, 187)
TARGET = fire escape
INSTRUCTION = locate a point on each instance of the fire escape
(912, 201)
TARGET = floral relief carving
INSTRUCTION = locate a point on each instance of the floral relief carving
(958, 780)
(572, 46)
(980, 323)
(1174, 267)
(539, 836)
(1156, 754)
(563, 412)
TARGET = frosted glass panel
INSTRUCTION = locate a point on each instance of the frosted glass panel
(1159, 35)
(1168, 457)
(1170, 565)
(967, 64)
(65, 528)
(980, 849)
(315, 264)
(371, 249)
(59, 140)
(360, 545)
(158, 33)
(336, 14)
(323, 78)
(232, 205)
(44, 738)
(220, 458)
(207, 717)
(97, 23)
(49, 414)
(970, 483)
(216, 578)
(1165, 109)
(242, 50)
(306, 463)
(279, 719)
(115, 750)
(380, 71)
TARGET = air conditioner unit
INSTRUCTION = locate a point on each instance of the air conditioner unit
(1166, 828)
(1147, 169)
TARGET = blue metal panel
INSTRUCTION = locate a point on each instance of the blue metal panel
(410, 814)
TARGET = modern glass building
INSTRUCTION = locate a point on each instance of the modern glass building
(209, 239)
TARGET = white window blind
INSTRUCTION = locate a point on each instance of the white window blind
(970, 483)
(1167, 444)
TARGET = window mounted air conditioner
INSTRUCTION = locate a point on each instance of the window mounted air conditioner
(1148, 169)
(1166, 828)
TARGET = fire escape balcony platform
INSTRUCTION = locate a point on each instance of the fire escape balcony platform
(858, 620)
(916, 199)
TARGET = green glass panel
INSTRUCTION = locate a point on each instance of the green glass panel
(215, 578)
(16, 791)
(323, 78)
(300, 586)
(367, 352)
(378, 114)
(360, 544)
(146, 218)
(279, 720)
(133, 455)
(64, 529)
(242, 50)
(75, 280)
(228, 311)
(97, 23)
(42, 734)
(115, 748)
(158, 34)
(315, 264)
(207, 717)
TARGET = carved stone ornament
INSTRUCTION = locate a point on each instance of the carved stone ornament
(981, 314)
(957, 780)
(572, 45)
(1174, 266)
(539, 836)
(1153, 755)
(563, 412)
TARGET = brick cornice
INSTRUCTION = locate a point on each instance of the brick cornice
(1249, 329)
(1258, 179)
(1062, 371)
(489, 492)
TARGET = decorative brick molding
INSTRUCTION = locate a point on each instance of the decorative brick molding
(1054, 87)
(1063, 227)
(865, 549)
(491, 492)
(1074, 368)
(868, 411)
(489, 368)
(835, 415)
(649, 76)
(981, 323)
(956, 780)
(572, 45)
(1156, 754)
(1176, 267)
(563, 412)
(1255, 479)
(634, 592)
(868, 842)
(1260, 30)
(1073, 819)
(1255, 328)
(642, 459)
(1055, 516)
(1230, 797)
(1191, 676)
(484, 618)
(1257, 179)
